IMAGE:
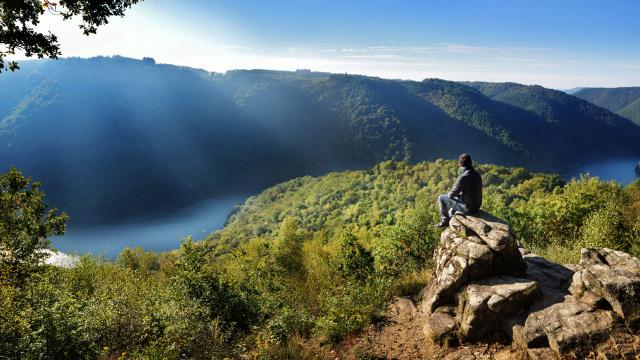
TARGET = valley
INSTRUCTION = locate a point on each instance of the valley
(113, 138)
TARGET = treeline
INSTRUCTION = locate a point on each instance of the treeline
(304, 263)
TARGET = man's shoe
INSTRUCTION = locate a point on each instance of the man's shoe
(441, 224)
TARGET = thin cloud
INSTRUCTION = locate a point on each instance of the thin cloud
(235, 47)
(376, 56)
(485, 50)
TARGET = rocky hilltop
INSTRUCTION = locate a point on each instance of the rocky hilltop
(485, 286)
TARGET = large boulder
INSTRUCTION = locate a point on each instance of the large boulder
(564, 326)
(553, 279)
(457, 261)
(471, 248)
(609, 278)
(483, 306)
(496, 234)
(484, 283)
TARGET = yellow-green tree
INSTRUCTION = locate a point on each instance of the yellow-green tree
(26, 223)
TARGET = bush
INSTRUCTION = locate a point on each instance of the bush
(353, 260)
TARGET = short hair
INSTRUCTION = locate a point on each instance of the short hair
(465, 160)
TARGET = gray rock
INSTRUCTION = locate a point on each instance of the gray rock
(553, 279)
(472, 248)
(549, 310)
(564, 326)
(482, 306)
(492, 230)
(496, 234)
(441, 325)
(403, 308)
(458, 260)
(609, 275)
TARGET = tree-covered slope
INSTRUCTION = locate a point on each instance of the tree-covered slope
(624, 101)
(568, 124)
(114, 137)
(371, 199)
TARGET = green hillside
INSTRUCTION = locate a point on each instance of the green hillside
(624, 101)
(309, 261)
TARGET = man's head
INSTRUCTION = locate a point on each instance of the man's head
(465, 160)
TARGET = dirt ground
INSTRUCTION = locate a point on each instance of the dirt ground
(400, 336)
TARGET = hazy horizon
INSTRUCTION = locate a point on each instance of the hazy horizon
(556, 45)
(26, 60)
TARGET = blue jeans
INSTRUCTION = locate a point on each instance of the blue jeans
(448, 206)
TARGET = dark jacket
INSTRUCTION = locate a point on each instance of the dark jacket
(468, 186)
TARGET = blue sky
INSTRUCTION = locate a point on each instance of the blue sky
(560, 44)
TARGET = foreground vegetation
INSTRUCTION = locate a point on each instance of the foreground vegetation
(310, 260)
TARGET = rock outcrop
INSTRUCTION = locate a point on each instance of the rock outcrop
(472, 248)
(483, 305)
(609, 276)
(484, 284)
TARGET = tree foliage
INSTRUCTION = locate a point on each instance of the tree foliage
(26, 223)
(19, 18)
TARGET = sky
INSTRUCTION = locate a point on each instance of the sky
(559, 44)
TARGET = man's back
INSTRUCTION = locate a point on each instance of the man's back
(469, 187)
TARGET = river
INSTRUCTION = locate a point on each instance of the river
(621, 170)
(157, 234)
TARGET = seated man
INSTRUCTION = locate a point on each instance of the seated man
(466, 195)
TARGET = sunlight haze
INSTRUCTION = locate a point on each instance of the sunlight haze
(558, 45)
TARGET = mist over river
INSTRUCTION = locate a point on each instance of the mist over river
(157, 234)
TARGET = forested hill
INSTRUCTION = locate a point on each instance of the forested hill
(116, 137)
(624, 101)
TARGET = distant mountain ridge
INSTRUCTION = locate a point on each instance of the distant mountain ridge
(113, 138)
(624, 101)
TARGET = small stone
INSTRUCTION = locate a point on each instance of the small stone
(440, 327)
(544, 353)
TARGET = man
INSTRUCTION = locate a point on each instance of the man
(466, 195)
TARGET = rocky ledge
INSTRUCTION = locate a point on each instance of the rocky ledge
(485, 285)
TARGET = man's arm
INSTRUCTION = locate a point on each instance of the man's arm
(456, 190)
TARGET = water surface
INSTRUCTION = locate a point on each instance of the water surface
(158, 234)
(621, 170)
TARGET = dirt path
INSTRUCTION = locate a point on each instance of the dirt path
(400, 336)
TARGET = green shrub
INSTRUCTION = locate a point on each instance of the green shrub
(353, 261)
